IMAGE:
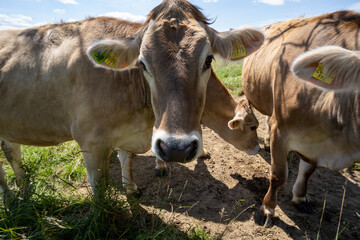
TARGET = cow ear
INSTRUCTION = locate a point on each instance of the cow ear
(114, 54)
(236, 44)
(329, 67)
(236, 123)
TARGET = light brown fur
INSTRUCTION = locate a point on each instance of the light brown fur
(322, 126)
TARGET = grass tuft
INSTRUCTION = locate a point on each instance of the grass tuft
(357, 166)
(56, 207)
(199, 233)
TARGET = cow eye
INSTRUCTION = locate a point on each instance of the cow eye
(143, 65)
(208, 62)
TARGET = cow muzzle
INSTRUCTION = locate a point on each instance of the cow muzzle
(253, 151)
(177, 148)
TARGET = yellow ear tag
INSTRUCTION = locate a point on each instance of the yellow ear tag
(319, 74)
(238, 51)
(111, 60)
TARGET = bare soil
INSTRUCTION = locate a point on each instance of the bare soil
(221, 195)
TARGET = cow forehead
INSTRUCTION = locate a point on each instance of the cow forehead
(170, 39)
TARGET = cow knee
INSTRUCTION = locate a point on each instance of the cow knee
(277, 179)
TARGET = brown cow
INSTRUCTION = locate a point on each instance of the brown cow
(320, 126)
(51, 92)
(220, 110)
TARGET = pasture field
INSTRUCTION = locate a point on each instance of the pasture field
(202, 200)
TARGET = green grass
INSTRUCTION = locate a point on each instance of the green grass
(230, 74)
(54, 208)
(357, 166)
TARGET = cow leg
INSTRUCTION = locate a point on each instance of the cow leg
(267, 136)
(278, 176)
(4, 189)
(300, 186)
(12, 153)
(96, 158)
(126, 161)
(160, 168)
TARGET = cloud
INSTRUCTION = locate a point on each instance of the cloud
(125, 16)
(355, 7)
(275, 2)
(68, 2)
(272, 2)
(60, 11)
(207, 1)
(15, 21)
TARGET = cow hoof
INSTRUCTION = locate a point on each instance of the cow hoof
(205, 156)
(304, 207)
(161, 172)
(263, 220)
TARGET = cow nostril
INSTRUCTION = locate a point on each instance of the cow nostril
(191, 150)
(173, 151)
(162, 149)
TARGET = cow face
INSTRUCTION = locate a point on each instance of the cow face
(329, 67)
(177, 73)
(175, 49)
(244, 124)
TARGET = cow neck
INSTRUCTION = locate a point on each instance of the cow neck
(136, 84)
(220, 105)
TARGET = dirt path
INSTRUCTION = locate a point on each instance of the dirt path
(222, 193)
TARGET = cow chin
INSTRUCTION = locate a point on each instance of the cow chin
(175, 147)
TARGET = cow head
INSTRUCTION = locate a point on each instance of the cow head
(175, 49)
(329, 67)
(233, 120)
(244, 125)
